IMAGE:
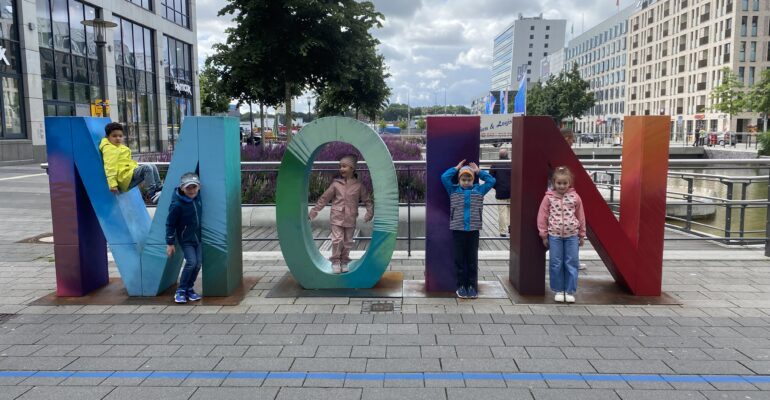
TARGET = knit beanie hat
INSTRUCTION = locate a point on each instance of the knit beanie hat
(189, 179)
(466, 170)
(349, 160)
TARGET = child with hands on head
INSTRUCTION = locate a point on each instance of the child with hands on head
(345, 193)
(562, 227)
(466, 202)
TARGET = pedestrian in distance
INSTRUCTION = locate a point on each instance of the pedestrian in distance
(502, 175)
(183, 226)
(123, 173)
(466, 202)
(344, 193)
(561, 225)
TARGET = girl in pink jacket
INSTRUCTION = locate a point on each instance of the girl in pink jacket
(345, 192)
(562, 226)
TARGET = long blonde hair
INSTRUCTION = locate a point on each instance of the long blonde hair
(562, 171)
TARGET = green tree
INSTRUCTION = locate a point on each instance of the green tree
(543, 99)
(422, 124)
(574, 98)
(214, 99)
(403, 124)
(759, 97)
(296, 45)
(729, 97)
(363, 89)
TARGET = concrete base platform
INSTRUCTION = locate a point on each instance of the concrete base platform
(593, 290)
(115, 294)
(390, 285)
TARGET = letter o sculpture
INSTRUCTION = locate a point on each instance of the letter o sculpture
(295, 235)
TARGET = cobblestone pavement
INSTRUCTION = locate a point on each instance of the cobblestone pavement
(713, 344)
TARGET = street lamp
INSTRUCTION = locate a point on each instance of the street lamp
(100, 29)
(308, 107)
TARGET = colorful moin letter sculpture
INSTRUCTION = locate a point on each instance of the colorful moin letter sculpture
(305, 262)
(85, 211)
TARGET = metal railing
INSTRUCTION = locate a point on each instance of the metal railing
(740, 140)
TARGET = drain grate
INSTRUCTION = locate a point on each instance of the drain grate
(380, 306)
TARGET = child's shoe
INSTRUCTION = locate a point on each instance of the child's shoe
(343, 268)
(336, 268)
(569, 298)
(472, 293)
(462, 292)
(180, 297)
(192, 296)
(559, 297)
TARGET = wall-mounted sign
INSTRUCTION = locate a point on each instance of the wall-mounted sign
(3, 58)
(182, 87)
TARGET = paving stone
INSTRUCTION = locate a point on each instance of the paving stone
(330, 364)
(565, 366)
(399, 394)
(72, 392)
(659, 394)
(574, 394)
(630, 366)
(403, 365)
(254, 364)
(478, 365)
(34, 363)
(146, 392)
(319, 393)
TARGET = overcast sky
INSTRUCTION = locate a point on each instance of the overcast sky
(437, 46)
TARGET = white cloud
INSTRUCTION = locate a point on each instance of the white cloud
(431, 74)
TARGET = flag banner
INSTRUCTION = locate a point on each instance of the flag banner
(520, 101)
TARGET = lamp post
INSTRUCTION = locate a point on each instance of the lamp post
(100, 29)
(308, 108)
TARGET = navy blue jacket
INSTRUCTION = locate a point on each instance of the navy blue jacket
(184, 219)
(466, 205)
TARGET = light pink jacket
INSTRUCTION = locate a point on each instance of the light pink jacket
(344, 196)
(561, 216)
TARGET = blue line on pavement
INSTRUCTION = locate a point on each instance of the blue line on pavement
(374, 376)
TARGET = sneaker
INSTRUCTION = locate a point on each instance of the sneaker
(472, 293)
(336, 268)
(343, 268)
(583, 267)
(192, 296)
(155, 197)
(503, 235)
(180, 298)
(462, 292)
(569, 298)
(559, 297)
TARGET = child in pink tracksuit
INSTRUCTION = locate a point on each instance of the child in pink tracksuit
(562, 226)
(344, 193)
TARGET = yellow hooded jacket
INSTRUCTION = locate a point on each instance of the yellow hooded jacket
(118, 164)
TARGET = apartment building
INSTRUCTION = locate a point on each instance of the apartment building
(677, 50)
(520, 48)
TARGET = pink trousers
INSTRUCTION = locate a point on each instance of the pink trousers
(342, 242)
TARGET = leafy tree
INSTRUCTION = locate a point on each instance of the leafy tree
(296, 45)
(573, 95)
(759, 97)
(422, 124)
(729, 97)
(403, 124)
(214, 99)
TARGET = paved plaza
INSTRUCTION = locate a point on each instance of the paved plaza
(710, 341)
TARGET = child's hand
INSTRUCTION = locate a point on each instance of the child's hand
(475, 168)
(582, 242)
(170, 249)
(368, 217)
(114, 190)
(545, 242)
(460, 165)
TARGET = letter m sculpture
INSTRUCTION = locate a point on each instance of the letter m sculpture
(631, 248)
(85, 212)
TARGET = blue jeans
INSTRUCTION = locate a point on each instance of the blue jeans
(193, 256)
(147, 173)
(563, 263)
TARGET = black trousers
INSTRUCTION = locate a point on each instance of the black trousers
(466, 252)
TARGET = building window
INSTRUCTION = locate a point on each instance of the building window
(751, 76)
(532, 28)
(135, 77)
(146, 4)
(177, 61)
(176, 11)
(12, 116)
(548, 27)
(547, 36)
(531, 45)
(753, 52)
(742, 52)
(529, 55)
(546, 45)
(68, 60)
(531, 36)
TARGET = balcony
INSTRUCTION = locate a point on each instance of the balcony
(682, 46)
(647, 76)
(701, 86)
(681, 68)
(703, 63)
(705, 17)
(726, 58)
(680, 110)
(700, 109)
(703, 40)
(680, 89)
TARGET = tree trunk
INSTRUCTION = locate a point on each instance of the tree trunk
(262, 126)
(288, 121)
(356, 113)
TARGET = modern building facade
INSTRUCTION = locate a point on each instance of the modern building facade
(51, 68)
(677, 50)
(552, 64)
(601, 54)
(520, 48)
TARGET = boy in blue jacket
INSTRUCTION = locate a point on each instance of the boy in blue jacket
(184, 225)
(466, 202)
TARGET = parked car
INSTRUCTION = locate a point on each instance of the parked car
(728, 138)
(390, 129)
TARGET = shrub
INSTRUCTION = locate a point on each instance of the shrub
(764, 143)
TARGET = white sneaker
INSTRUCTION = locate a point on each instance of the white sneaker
(569, 298)
(336, 268)
(559, 298)
(343, 268)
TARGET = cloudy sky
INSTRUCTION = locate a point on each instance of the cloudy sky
(433, 47)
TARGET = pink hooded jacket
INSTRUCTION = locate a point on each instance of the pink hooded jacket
(561, 216)
(344, 196)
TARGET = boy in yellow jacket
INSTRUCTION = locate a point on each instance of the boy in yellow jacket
(123, 173)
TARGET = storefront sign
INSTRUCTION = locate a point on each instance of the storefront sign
(182, 88)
